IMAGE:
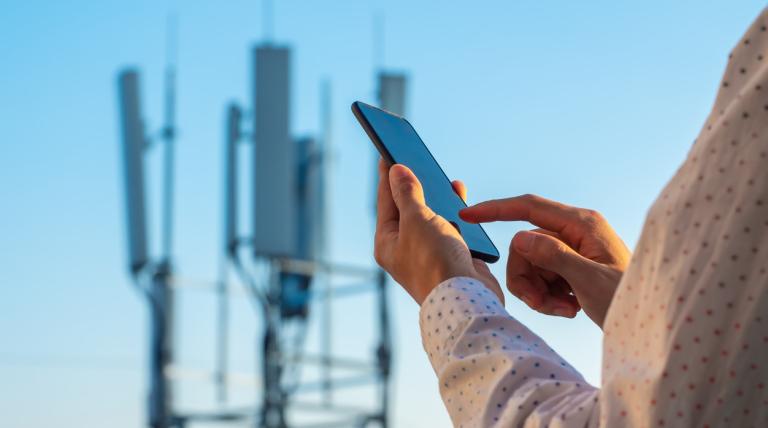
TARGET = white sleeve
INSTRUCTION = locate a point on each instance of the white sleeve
(493, 371)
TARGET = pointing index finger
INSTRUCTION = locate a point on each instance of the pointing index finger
(540, 211)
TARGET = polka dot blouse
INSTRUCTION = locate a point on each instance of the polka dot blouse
(686, 336)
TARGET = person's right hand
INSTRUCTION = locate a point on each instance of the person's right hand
(574, 261)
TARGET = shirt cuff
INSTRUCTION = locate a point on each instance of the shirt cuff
(448, 308)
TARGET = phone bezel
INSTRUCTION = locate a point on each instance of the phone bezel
(382, 148)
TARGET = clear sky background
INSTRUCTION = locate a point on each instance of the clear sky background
(590, 103)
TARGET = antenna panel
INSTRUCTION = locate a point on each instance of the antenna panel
(274, 198)
(311, 204)
(133, 142)
(392, 92)
(232, 139)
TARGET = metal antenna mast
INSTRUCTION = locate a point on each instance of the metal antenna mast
(326, 154)
(169, 134)
(152, 275)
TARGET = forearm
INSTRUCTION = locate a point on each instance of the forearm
(492, 369)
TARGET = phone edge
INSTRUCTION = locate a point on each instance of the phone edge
(381, 148)
(372, 135)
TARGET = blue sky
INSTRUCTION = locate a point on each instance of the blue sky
(591, 103)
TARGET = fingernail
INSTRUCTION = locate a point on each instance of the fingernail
(562, 312)
(523, 241)
(399, 171)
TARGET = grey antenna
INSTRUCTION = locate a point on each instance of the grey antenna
(133, 144)
(152, 275)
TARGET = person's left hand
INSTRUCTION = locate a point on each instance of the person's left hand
(419, 248)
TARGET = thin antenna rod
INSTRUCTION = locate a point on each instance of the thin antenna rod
(378, 41)
(267, 20)
(327, 158)
(326, 162)
(169, 135)
(222, 335)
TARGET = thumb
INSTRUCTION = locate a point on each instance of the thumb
(406, 188)
(554, 255)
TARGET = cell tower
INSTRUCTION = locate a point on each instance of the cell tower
(151, 274)
(289, 235)
(281, 259)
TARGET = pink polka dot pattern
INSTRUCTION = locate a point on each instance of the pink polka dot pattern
(686, 337)
(492, 369)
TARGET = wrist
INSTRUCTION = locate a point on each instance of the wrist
(437, 276)
(447, 272)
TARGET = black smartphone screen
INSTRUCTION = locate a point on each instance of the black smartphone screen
(398, 142)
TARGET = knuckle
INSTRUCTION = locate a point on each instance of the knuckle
(594, 214)
(531, 303)
(419, 213)
(378, 250)
(516, 291)
(590, 217)
(549, 253)
(378, 256)
(408, 187)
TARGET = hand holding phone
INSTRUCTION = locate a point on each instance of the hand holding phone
(419, 248)
(420, 239)
(398, 142)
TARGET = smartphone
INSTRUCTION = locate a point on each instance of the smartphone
(398, 142)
